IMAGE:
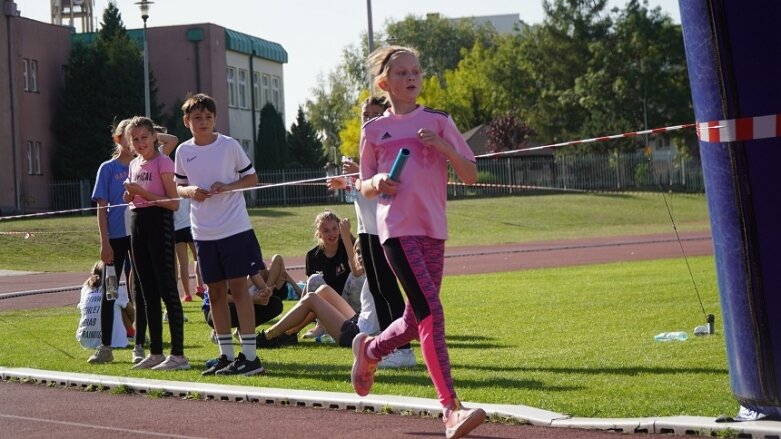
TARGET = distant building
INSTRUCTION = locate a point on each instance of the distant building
(240, 71)
(503, 23)
(35, 54)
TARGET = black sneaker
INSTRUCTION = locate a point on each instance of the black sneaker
(279, 341)
(242, 366)
(262, 343)
(288, 339)
(215, 365)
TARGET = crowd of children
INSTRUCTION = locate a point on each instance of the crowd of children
(402, 231)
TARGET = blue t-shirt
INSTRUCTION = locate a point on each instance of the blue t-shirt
(109, 187)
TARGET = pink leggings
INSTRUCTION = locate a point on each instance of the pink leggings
(418, 262)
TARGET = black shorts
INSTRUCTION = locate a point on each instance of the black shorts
(348, 332)
(183, 235)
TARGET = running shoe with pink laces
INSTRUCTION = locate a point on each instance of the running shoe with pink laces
(459, 421)
(362, 376)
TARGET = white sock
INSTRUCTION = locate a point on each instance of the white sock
(226, 346)
(248, 346)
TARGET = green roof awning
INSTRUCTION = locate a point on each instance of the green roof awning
(239, 42)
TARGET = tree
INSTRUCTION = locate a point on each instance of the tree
(507, 133)
(638, 78)
(331, 107)
(271, 146)
(555, 56)
(103, 85)
(306, 148)
(440, 40)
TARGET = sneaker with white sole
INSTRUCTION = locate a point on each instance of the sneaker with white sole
(219, 363)
(102, 355)
(173, 362)
(150, 361)
(398, 359)
(242, 366)
(213, 337)
(315, 332)
(138, 354)
(460, 421)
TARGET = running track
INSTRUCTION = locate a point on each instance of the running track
(33, 411)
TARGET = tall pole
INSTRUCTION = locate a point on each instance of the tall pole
(371, 28)
(144, 5)
(371, 43)
(147, 110)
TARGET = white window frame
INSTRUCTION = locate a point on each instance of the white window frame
(34, 75)
(243, 101)
(256, 89)
(246, 145)
(232, 86)
(275, 95)
(266, 85)
(29, 157)
(26, 73)
(37, 158)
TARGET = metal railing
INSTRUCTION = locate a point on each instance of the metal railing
(496, 176)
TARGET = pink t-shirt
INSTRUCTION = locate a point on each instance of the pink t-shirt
(418, 208)
(148, 176)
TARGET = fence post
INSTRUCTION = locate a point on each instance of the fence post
(85, 193)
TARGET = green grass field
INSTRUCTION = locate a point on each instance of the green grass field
(72, 244)
(576, 340)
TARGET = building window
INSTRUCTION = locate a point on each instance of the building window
(243, 89)
(246, 145)
(26, 73)
(29, 157)
(256, 89)
(275, 93)
(33, 75)
(266, 89)
(37, 158)
(231, 86)
(33, 158)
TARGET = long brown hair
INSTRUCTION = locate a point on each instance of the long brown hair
(96, 275)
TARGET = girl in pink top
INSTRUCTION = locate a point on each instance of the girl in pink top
(412, 224)
(151, 190)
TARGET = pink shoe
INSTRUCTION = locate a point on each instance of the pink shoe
(460, 421)
(362, 376)
(187, 298)
(199, 291)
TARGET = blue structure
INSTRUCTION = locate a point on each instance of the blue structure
(734, 69)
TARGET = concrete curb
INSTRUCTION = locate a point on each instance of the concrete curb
(679, 425)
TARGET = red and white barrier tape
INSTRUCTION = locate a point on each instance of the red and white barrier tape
(747, 128)
(592, 140)
(740, 130)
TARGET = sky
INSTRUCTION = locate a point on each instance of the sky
(313, 32)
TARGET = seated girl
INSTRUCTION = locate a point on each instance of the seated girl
(332, 311)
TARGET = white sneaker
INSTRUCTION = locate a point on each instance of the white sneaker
(213, 337)
(150, 361)
(461, 421)
(173, 362)
(400, 358)
(138, 354)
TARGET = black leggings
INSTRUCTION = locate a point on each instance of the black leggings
(154, 261)
(383, 285)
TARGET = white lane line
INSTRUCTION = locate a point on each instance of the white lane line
(97, 427)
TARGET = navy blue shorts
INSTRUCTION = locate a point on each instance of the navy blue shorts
(236, 256)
